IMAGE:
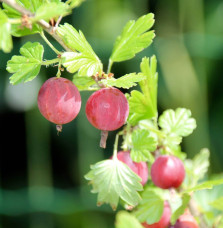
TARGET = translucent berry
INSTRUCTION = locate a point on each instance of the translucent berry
(107, 109)
(167, 172)
(59, 100)
(140, 168)
(164, 222)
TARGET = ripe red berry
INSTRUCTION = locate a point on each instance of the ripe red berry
(107, 109)
(164, 222)
(59, 100)
(140, 168)
(186, 221)
(167, 172)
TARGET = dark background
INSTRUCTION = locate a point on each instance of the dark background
(41, 173)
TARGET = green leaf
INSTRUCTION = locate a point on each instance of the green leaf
(177, 122)
(180, 210)
(84, 83)
(217, 204)
(85, 61)
(126, 220)
(17, 29)
(125, 81)
(51, 10)
(134, 38)
(139, 107)
(150, 208)
(5, 30)
(150, 83)
(112, 180)
(205, 185)
(27, 66)
(142, 145)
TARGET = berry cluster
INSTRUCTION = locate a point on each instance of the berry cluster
(59, 101)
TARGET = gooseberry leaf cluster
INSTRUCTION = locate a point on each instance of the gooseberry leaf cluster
(130, 178)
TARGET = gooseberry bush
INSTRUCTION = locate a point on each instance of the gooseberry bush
(148, 176)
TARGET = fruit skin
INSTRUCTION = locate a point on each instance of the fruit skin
(186, 221)
(107, 109)
(165, 219)
(167, 172)
(140, 168)
(59, 100)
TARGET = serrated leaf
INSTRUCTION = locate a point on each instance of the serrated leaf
(180, 210)
(126, 81)
(85, 61)
(150, 208)
(51, 10)
(5, 33)
(126, 220)
(134, 38)
(217, 204)
(112, 180)
(177, 122)
(83, 83)
(142, 145)
(205, 185)
(26, 66)
(139, 107)
(17, 29)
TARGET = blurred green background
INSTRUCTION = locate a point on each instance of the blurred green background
(41, 173)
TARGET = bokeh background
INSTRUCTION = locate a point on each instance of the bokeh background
(41, 173)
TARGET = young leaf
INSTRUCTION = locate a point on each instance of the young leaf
(125, 81)
(150, 83)
(126, 220)
(142, 145)
(26, 66)
(150, 208)
(134, 38)
(17, 29)
(76, 3)
(5, 33)
(112, 180)
(51, 10)
(84, 83)
(180, 210)
(217, 204)
(139, 108)
(178, 122)
(85, 61)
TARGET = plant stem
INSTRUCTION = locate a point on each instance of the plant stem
(48, 42)
(15, 20)
(116, 145)
(49, 62)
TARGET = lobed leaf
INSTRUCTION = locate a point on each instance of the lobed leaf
(125, 81)
(150, 208)
(5, 33)
(27, 66)
(112, 180)
(142, 145)
(126, 220)
(82, 59)
(76, 3)
(178, 122)
(217, 204)
(134, 38)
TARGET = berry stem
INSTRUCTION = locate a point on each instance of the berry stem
(49, 44)
(49, 62)
(109, 66)
(104, 136)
